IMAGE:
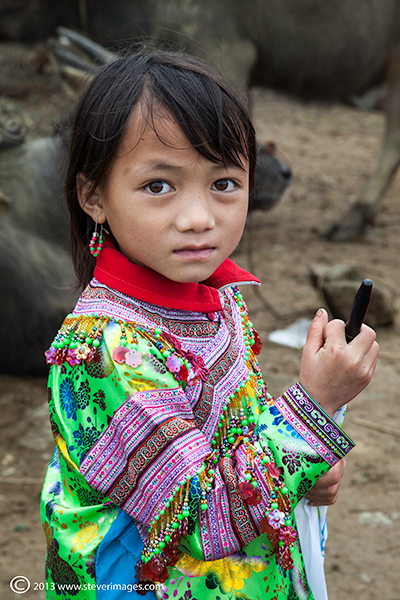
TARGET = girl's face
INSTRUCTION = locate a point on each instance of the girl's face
(168, 207)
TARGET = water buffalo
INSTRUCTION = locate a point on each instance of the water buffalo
(37, 282)
(35, 268)
(332, 49)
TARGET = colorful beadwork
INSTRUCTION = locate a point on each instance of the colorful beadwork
(236, 426)
(96, 242)
(136, 396)
(80, 338)
(77, 340)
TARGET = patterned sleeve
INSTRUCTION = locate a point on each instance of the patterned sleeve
(303, 439)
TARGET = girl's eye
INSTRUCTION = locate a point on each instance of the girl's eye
(158, 187)
(224, 185)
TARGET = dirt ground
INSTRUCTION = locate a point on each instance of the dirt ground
(331, 149)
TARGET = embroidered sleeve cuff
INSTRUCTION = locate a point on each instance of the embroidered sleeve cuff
(313, 424)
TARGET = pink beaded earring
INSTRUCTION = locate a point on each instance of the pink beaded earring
(96, 248)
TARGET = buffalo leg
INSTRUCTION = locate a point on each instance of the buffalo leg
(365, 208)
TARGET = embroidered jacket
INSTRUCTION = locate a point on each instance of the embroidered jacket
(174, 468)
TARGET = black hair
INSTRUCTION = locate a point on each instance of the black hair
(208, 110)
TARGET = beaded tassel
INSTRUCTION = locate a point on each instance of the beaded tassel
(277, 522)
(95, 247)
(167, 529)
(77, 340)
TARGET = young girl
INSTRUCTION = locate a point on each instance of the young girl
(176, 473)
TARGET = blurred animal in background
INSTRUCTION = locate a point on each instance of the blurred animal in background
(37, 281)
(35, 265)
(317, 49)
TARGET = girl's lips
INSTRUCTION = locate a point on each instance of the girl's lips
(192, 252)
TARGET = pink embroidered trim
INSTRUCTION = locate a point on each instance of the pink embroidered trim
(146, 451)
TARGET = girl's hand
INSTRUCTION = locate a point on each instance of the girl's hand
(325, 491)
(332, 371)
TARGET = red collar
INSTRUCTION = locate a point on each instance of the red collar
(142, 283)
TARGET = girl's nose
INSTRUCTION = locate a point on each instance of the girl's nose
(195, 215)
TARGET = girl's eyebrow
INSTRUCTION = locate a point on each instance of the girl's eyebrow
(157, 166)
(150, 166)
(160, 166)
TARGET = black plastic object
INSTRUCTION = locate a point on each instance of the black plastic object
(358, 310)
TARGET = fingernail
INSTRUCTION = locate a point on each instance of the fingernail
(319, 313)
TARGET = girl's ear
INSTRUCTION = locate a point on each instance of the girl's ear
(90, 199)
